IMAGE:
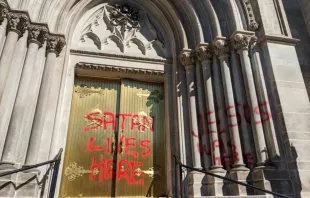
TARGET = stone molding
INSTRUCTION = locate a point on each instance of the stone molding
(55, 43)
(221, 47)
(120, 56)
(187, 58)
(204, 52)
(278, 39)
(37, 34)
(252, 23)
(98, 67)
(18, 22)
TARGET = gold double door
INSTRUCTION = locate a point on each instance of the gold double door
(116, 140)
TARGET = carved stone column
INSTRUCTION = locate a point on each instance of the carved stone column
(221, 121)
(3, 22)
(188, 61)
(196, 185)
(42, 129)
(242, 107)
(17, 24)
(18, 133)
(263, 101)
(222, 50)
(202, 124)
(241, 44)
(204, 54)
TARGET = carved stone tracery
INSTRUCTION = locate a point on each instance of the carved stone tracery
(122, 29)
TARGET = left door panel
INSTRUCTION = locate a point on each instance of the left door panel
(88, 165)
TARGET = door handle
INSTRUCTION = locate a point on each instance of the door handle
(151, 172)
(121, 143)
(113, 145)
(122, 148)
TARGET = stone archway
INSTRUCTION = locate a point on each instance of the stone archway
(120, 42)
(36, 91)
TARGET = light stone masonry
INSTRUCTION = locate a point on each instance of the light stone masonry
(235, 96)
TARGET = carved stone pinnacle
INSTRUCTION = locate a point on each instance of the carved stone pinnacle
(37, 34)
(187, 58)
(55, 43)
(204, 52)
(18, 22)
(221, 48)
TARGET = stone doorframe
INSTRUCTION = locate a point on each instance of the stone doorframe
(90, 64)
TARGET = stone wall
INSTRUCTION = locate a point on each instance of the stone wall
(36, 88)
(305, 8)
(298, 25)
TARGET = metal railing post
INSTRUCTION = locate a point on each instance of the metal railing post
(54, 177)
(177, 160)
(181, 180)
(54, 164)
(179, 165)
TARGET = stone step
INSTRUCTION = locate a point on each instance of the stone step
(243, 196)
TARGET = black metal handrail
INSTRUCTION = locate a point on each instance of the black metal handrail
(178, 161)
(54, 165)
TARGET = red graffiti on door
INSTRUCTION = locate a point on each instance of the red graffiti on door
(107, 120)
(126, 170)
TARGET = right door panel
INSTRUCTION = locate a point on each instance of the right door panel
(141, 140)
